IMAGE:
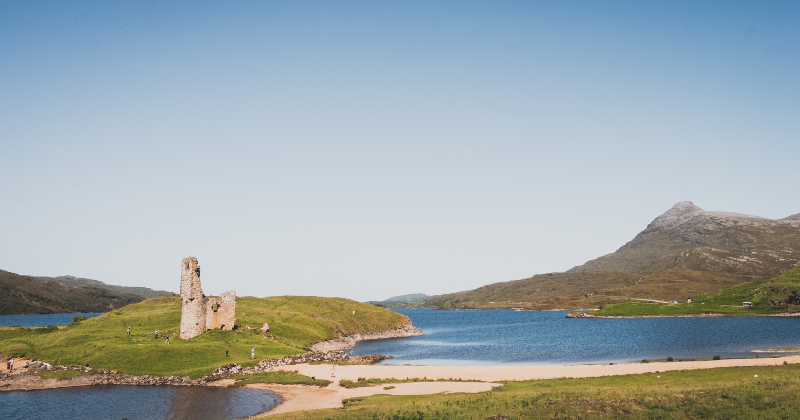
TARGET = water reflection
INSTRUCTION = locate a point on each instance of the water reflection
(136, 402)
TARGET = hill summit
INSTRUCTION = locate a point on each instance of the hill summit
(683, 252)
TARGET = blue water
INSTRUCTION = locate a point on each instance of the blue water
(485, 337)
(41, 320)
(136, 402)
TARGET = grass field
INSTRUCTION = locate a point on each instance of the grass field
(296, 322)
(278, 377)
(726, 302)
(724, 393)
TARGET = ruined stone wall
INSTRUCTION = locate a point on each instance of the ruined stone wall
(221, 312)
(193, 301)
(198, 312)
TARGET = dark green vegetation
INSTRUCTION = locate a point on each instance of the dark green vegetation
(71, 281)
(710, 393)
(278, 377)
(776, 296)
(682, 253)
(28, 295)
(62, 375)
(363, 382)
(296, 322)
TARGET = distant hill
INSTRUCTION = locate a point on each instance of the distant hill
(28, 295)
(71, 281)
(404, 300)
(685, 251)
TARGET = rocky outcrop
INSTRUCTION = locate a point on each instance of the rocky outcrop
(348, 341)
(266, 365)
(28, 380)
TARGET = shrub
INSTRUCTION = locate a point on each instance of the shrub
(670, 359)
(716, 357)
(645, 361)
(78, 319)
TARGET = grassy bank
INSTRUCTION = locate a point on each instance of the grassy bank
(296, 322)
(278, 377)
(763, 295)
(708, 393)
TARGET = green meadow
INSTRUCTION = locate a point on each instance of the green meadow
(729, 301)
(723, 393)
(296, 322)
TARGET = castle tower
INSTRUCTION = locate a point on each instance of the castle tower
(198, 312)
(193, 301)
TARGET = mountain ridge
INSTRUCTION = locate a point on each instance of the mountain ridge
(684, 251)
(27, 295)
(72, 281)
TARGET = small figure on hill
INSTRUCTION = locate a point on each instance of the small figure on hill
(253, 353)
(156, 334)
(166, 335)
(129, 330)
(27, 364)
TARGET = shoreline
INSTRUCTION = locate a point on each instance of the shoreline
(705, 315)
(302, 398)
(480, 379)
(349, 341)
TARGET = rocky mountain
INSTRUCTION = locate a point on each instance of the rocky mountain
(71, 281)
(29, 295)
(683, 252)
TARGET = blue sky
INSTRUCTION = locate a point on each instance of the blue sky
(370, 149)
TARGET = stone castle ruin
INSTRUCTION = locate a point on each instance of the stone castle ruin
(198, 312)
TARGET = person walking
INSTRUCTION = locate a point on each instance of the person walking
(11, 365)
(156, 334)
(166, 335)
(129, 331)
(253, 353)
(333, 371)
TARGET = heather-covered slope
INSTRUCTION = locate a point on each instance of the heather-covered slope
(28, 295)
(71, 281)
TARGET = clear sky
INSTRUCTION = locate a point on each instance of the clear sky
(370, 149)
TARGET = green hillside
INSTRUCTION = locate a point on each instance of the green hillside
(296, 322)
(778, 295)
(27, 295)
(684, 252)
(71, 281)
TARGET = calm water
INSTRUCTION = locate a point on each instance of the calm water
(484, 337)
(41, 320)
(136, 402)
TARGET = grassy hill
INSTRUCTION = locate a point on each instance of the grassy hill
(778, 295)
(684, 252)
(410, 300)
(296, 322)
(28, 295)
(71, 281)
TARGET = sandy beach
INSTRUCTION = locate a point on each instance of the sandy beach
(302, 398)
